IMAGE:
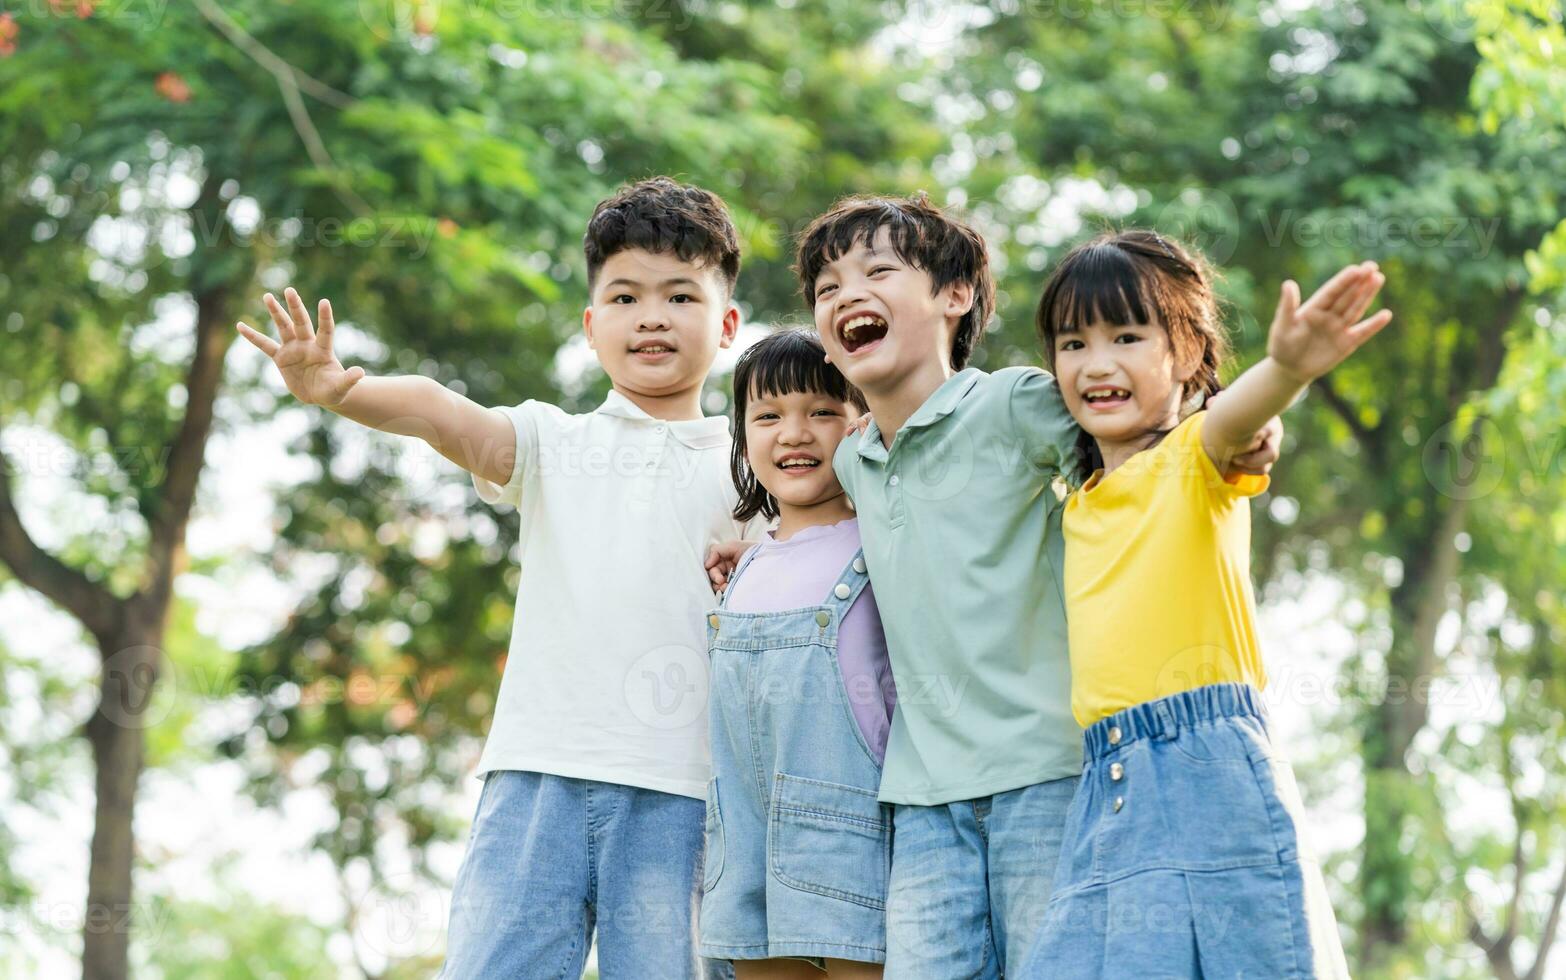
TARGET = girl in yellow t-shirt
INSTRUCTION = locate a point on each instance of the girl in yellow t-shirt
(1184, 854)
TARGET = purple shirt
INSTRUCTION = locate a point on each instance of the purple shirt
(800, 572)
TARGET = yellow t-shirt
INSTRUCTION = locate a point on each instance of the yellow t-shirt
(1158, 578)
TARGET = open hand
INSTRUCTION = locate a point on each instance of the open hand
(304, 358)
(1309, 340)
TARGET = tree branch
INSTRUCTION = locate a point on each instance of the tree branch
(1552, 926)
(290, 82)
(94, 606)
(263, 56)
(186, 452)
(1371, 438)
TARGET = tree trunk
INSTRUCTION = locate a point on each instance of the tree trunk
(116, 732)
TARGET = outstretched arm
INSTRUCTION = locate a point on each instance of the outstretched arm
(1305, 342)
(478, 439)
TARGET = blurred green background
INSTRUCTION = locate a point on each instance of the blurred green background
(277, 640)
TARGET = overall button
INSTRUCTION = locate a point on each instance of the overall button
(894, 481)
(841, 591)
(823, 617)
(859, 565)
(1120, 801)
(1117, 772)
(713, 620)
(1114, 734)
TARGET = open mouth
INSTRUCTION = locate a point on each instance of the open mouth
(1105, 398)
(861, 331)
(798, 464)
(651, 351)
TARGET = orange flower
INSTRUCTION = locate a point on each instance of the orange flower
(172, 87)
(8, 32)
(446, 227)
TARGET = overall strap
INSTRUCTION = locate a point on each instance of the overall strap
(847, 588)
(744, 563)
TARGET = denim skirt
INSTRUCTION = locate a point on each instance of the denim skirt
(1183, 854)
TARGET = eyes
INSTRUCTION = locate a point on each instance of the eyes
(876, 272)
(773, 416)
(625, 299)
(1072, 343)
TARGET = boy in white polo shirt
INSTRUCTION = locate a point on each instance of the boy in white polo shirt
(596, 765)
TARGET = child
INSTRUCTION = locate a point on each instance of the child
(953, 486)
(798, 848)
(1184, 855)
(596, 763)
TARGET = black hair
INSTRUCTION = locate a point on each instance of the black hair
(922, 235)
(1127, 278)
(663, 215)
(787, 362)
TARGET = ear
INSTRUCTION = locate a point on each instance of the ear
(959, 299)
(731, 320)
(587, 325)
(1186, 364)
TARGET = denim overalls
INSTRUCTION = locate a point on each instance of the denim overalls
(798, 849)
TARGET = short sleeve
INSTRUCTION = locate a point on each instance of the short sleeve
(1186, 439)
(525, 423)
(845, 461)
(1049, 434)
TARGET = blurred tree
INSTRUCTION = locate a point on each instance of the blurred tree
(431, 169)
(1287, 141)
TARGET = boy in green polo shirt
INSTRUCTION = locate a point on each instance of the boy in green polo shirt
(955, 485)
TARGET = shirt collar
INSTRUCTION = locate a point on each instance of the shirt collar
(702, 433)
(942, 402)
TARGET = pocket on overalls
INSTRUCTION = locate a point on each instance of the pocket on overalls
(830, 839)
(712, 853)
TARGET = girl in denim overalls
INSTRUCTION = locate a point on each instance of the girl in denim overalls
(1184, 855)
(798, 848)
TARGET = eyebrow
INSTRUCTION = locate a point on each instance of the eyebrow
(634, 284)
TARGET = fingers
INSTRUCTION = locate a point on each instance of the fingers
(280, 318)
(344, 384)
(296, 309)
(1366, 329)
(1331, 294)
(1365, 295)
(1364, 273)
(326, 322)
(1288, 300)
(268, 346)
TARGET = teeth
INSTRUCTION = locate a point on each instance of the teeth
(1104, 393)
(794, 464)
(860, 322)
(654, 349)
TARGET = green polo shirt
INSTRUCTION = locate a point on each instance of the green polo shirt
(961, 531)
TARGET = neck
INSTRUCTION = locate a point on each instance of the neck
(792, 519)
(1117, 451)
(676, 406)
(893, 406)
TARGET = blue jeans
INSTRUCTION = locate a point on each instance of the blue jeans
(1185, 858)
(551, 857)
(971, 880)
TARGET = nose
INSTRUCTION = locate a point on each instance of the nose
(651, 317)
(794, 432)
(851, 294)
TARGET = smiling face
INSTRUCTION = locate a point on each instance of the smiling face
(789, 442)
(1120, 383)
(880, 318)
(656, 323)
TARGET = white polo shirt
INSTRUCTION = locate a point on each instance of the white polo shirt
(607, 673)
